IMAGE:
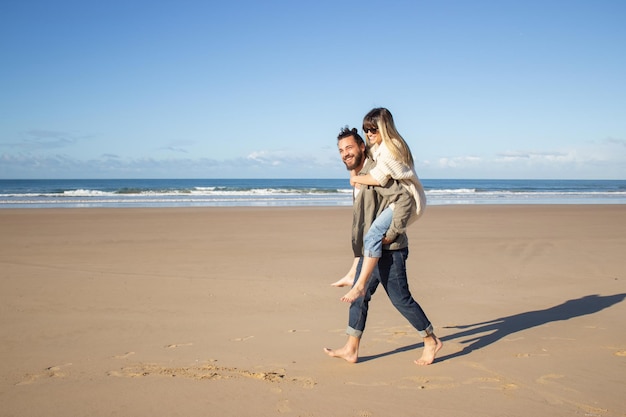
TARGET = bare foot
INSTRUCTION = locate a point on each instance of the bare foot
(344, 353)
(432, 345)
(348, 279)
(353, 294)
(344, 282)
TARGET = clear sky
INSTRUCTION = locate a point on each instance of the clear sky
(260, 89)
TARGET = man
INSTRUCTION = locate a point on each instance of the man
(391, 268)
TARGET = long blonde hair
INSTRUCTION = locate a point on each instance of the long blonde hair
(381, 119)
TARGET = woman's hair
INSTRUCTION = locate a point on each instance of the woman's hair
(381, 119)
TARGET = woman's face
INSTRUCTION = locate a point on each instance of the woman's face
(373, 135)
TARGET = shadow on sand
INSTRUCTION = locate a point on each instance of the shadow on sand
(505, 326)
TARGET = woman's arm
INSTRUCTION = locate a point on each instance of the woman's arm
(366, 179)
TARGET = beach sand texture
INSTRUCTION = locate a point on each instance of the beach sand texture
(225, 311)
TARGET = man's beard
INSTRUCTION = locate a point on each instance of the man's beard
(358, 159)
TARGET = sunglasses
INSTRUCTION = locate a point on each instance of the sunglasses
(374, 130)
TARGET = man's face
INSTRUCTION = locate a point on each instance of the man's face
(351, 153)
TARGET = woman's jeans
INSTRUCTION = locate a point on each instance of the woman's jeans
(373, 240)
(391, 273)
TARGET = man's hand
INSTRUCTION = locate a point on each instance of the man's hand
(386, 241)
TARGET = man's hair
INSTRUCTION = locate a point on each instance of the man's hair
(346, 132)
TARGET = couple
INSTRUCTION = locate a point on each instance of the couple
(387, 203)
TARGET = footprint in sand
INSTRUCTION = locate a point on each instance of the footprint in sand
(423, 382)
(209, 371)
(176, 345)
(549, 378)
(49, 372)
(493, 380)
(283, 406)
(241, 339)
(367, 384)
(510, 339)
(123, 356)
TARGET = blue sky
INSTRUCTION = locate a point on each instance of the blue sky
(251, 89)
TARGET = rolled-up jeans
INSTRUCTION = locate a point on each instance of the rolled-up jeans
(391, 273)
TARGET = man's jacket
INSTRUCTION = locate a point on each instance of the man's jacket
(369, 201)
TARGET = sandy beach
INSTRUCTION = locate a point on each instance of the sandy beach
(226, 311)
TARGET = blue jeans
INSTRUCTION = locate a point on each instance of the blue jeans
(391, 273)
(373, 240)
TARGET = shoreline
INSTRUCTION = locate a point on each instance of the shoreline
(311, 207)
(293, 192)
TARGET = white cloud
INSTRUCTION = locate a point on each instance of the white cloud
(174, 149)
(458, 161)
(598, 159)
(279, 158)
(178, 146)
(265, 157)
(594, 160)
(41, 139)
(614, 141)
(260, 164)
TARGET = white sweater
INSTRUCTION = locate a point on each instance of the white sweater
(387, 167)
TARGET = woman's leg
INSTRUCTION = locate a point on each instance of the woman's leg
(372, 251)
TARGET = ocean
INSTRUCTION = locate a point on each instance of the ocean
(291, 192)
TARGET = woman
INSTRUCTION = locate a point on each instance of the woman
(394, 161)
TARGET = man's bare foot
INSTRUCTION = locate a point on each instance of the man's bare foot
(344, 353)
(353, 294)
(344, 282)
(432, 345)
